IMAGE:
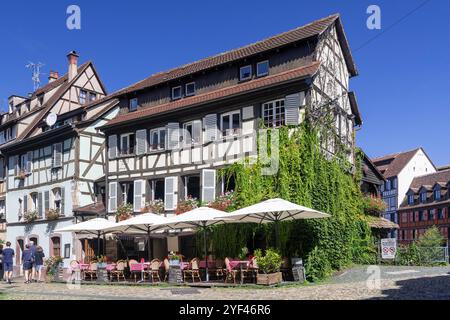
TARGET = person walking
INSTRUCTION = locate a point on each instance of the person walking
(39, 262)
(33, 267)
(8, 255)
(27, 261)
(1, 263)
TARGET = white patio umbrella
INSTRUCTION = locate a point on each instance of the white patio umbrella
(145, 224)
(202, 218)
(97, 226)
(274, 210)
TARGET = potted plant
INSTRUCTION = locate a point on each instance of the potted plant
(124, 212)
(269, 267)
(174, 259)
(243, 254)
(155, 206)
(21, 175)
(53, 264)
(224, 202)
(101, 262)
(30, 216)
(52, 214)
(186, 205)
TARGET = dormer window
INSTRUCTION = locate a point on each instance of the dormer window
(262, 68)
(411, 199)
(92, 96)
(133, 104)
(176, 93)
(437, 194)
(423, 197)
(190, 89)
(245, 73)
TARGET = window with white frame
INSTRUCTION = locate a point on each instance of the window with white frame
(127, 190)
(92, 96)
(274, 113)
(158, 139)
(190, 89)
(262, 68)
(57, 199)
(83, 96)
(133, 104)
(245, 73)
(176, 93)
(411, 199)
(192, 132)
(230, 123)
(34, 201)
(127, 142)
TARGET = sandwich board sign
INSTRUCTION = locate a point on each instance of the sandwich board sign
(388, 248)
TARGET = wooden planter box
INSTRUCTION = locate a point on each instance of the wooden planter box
(269, 279)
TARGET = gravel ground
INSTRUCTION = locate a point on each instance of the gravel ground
(352, 284)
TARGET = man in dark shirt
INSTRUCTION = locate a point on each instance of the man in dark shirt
(8, 255)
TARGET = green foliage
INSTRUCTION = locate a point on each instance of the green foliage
(318, 266)
(431, 238)
(270, 262)
(427, 251)
(308, 178)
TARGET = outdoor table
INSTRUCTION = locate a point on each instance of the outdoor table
(240, 264)
(140, 267)
(111, 267)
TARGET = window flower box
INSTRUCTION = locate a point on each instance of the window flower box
(124, 212)
(52, 214)
(31, 216)
(21, 175)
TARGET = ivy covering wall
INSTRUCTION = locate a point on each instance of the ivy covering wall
(307, 178)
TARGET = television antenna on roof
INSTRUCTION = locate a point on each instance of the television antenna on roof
(36, 73)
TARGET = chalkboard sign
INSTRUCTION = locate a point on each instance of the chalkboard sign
(298, 271)
(175, 275)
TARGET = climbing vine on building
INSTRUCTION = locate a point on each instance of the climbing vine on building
(306, 177)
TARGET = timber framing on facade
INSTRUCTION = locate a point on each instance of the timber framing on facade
(175, 129)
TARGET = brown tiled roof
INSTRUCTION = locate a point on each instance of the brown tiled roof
(94, 208)
(301, 33)
(391, 165)
(443, 168)
(442, 177)
(381, 223)
(241, 88)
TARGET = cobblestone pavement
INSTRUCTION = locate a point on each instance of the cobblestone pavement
(395, 283)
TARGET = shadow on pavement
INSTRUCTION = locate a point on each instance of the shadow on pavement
(425, 288)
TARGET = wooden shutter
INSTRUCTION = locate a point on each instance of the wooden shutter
(16, 164)
(173, 135)
(40, 204)
(197, 131)
(112, 146)
(208, 185)
(29, 167)
(210, 125)
(46, 201)
(139, 195)
(2, 169)
(25, 204)
(141, 142)
(57, 155)
(112, 199)
(63, 194)
(292, 107)
(170, 193)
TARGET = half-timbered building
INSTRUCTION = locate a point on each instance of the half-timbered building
(177, 128)
(55, 158)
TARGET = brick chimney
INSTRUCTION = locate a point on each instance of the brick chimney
(72, 58)
(54, 75)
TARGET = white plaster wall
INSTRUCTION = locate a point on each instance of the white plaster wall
(419, 165)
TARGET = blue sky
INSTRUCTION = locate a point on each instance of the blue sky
(402, 88)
